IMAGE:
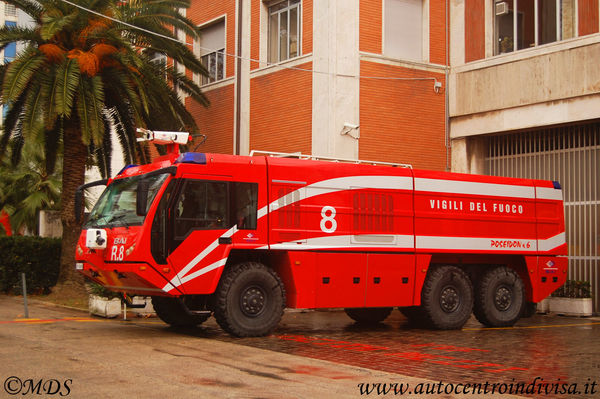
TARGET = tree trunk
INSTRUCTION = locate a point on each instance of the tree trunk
(75, 154)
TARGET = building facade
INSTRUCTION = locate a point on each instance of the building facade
(525, 101)
(352, 79)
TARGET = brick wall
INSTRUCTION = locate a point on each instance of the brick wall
(588, 17)
(401, 121)
(371, 22)
(281, 111)
(307, 26)
(216, 121)
(474, 30)
(437, 31)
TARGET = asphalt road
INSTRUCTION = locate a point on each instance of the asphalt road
(65, 353)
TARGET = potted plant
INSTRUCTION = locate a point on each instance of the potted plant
(574, 298)
(104, 302)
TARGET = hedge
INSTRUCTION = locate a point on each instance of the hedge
(574, 289)
(37, 257)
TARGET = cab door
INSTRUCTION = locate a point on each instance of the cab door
(201, 225)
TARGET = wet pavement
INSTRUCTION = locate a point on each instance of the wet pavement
(560, 351)
(311, 354)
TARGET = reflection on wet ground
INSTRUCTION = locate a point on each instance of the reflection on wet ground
(556, 350)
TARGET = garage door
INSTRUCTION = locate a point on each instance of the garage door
(571, 155)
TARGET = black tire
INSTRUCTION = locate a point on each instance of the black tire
(529, 309)
(368, 315)
(410, 312)
(249, 300)
(414, 314)
(499, 297)
(446, 298)
(171, 311)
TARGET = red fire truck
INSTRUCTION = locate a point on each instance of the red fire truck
(243, 237)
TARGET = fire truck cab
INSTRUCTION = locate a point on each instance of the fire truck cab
(243, 237)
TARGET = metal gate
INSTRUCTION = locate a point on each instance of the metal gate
(571, 155)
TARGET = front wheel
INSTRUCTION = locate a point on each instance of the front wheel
(446, 298)
(368, 315)
(249, 300)
(499, 297)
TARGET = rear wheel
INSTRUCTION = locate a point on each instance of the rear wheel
(529, 309)
(368, 315)
(172, 311)
(249, 300)
(499, 297)
(446, 298)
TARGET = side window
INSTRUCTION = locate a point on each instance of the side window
(201, 205)
(245, 202)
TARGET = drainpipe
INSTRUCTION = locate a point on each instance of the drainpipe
(238, 78)
(447, 94)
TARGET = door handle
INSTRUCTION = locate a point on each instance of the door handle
(224, 240)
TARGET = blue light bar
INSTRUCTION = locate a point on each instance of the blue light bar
(125, 168)
(192, 157)
(556, 185)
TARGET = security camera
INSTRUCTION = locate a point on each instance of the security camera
(351, 126)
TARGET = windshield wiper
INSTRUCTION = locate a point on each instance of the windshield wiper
(118, 217)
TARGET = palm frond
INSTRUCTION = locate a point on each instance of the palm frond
(33, 115)
(188, 86)
(18, 142)
(51, 147)
(53, 21)
(11, 34)
(67, 82)
(103, 153)
(89, 100)
(19, 73)
(50, 89)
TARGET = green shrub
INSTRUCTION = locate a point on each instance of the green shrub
(101, 291)
(37, 257)
(574, 289)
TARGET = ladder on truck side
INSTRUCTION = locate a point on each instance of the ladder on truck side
(299, 155)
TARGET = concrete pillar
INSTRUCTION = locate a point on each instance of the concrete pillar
(457, 32)
(244, 72)
(468, 155)
(335, 97)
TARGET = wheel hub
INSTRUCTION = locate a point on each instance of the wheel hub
(449, 299)
(252, 301)
(503, 298)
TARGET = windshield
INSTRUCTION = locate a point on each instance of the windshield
(116, 206)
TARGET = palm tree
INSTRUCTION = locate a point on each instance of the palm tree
(27, 188)
(85, 67)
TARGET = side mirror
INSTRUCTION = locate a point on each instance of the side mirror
(141, 201)
(79, 196)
